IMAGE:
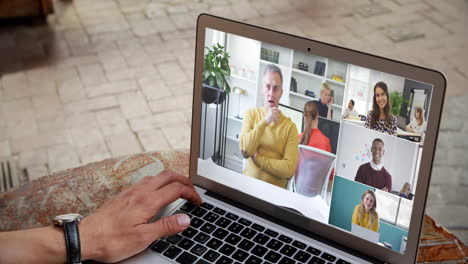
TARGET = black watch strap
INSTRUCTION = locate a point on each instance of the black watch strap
(72, 240)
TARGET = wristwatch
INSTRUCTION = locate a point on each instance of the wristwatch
(69, 222)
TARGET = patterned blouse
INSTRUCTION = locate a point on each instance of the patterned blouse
(381, 125)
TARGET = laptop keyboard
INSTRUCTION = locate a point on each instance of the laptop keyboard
(221, 237)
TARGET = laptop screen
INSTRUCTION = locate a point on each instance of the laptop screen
(336, 142)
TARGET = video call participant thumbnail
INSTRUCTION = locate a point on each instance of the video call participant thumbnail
(325, 103)
(373, 173)
(380, 118)
(268, 139)
(365, 213)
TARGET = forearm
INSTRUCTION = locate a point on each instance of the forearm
(281, 168)
(38, 245)
(250, 140)
(45, 244)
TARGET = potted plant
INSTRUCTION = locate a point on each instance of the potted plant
(396, 99)
(216, 73)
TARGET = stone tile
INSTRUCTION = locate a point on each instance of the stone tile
(23, 125)
(439, 175)
(133, 105)
(176, 45)
(15, 85)
(92, 74)
(71, 90)
(76, 37)
(183, 102)
(185, 20)
(155, 10)
(76, 61)
(33, 158)
(5, 150)
(102, 103)
(447, 194)
(130, 73)
(154, 88)
(112, 122)
(178, 136)
(172, 73)
(403, 33)
(36, 172)
(41, 140)
(244, 11)
(138, 60)
(457, 157)
(61, 157)
(85, 136)
(109, 31)
(46, 107)
(371, 10)
(449, 215)
(52, 124)
(143, 28)
(157, 120)
(111, 88)
(123, 144)
(185, 88)
(44, 73)
(93, 153)
(153, 140)
(112, 59)
(130, 6)
(65, 74)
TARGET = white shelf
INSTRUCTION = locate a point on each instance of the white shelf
(307, 73)
(235, 119)
(232, 138)
(235, 76)
(269, 62)
(335, 82)
(309, 98)
(303, 96)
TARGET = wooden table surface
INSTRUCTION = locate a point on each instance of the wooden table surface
(85, 188)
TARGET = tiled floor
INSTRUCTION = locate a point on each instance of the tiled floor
(113, 77)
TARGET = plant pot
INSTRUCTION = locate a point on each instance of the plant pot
(212, 95)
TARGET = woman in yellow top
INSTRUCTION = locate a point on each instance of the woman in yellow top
(365, 213)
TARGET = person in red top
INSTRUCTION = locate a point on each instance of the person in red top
(312, 136)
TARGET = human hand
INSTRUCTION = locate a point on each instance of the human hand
(330, 104)
(272, 115)
(120, 228)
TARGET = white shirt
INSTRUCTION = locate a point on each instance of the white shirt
(375, 166)
(349, 113)
(420, 129)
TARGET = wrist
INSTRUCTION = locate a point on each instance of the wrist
(90, 236)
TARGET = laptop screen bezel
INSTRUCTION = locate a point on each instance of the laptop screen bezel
(435, 78)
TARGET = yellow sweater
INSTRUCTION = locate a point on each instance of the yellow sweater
(275, 145)
(364, 221)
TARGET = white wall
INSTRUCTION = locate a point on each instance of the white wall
(353, 150)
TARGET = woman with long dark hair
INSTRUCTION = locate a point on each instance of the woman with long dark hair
(365, 213)
(380, 118)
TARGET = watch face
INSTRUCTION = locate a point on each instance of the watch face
(68, 217)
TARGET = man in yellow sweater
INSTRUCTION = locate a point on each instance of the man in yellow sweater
(268, 138)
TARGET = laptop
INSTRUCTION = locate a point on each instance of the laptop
(248, 216)
(365, 233)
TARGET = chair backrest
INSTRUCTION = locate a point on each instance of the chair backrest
(313, 168)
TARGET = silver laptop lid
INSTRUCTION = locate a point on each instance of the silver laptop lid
(237, 153)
